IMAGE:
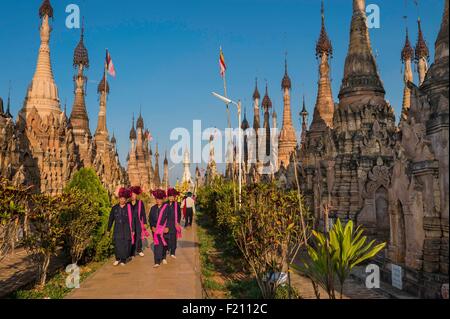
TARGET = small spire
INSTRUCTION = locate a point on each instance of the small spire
(408, 51)
(113, 139)
(274, 113)
(46, 9)
(256, 94)
(140, 121)
(166, 162)
(421, 46)
(266, 103)
(245, 125)
(8, 105)
(81, 56)
(441, 44)
(286, 82)
(102, 86)
(323, 45)
(304, 112)
(132, 131)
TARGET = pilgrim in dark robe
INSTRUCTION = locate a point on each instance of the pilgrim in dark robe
(123, 223)
(138, 211)
(158, 222)
(173, 221)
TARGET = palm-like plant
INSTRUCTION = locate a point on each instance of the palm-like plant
(350, 249)
(320, 267)
(335, 255)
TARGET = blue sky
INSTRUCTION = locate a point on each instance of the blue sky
(166, 55)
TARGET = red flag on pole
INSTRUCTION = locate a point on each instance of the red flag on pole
(110, 65)
(223, 66)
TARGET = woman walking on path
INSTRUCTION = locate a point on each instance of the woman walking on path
(137, 208)
(173, 221)
(188, 207)
(124, 223)
(158, 224)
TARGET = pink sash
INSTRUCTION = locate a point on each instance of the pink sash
(177, 222)
(130, 218)
(144, 232)
(160, 229)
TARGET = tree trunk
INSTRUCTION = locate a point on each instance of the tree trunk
(25, 224)
(43, 271)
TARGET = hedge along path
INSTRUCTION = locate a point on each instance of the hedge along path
(179, 279)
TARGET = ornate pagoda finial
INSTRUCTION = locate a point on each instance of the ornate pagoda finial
(256, 94)
(245, 125)
(422, 50)
(304, 112)
(46, 9)
(266, 103)
(140, 121)
(441, 44)
(286, 82)
(8, 105)
(132, 131)
(102, 86)
(360, 69)
(81, 56)
(113, 139)
(408, 51)
(323, 45)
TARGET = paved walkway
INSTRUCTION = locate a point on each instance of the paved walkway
(179, 279)
(352, 289)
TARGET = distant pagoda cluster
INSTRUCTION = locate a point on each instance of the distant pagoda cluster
(354, 162)
(45, 147)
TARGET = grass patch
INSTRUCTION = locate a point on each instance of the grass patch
(222, 265)
(55, 288)
(244, 289)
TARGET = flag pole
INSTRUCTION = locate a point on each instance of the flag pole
(106, 71)
(224, 77)
(226, 95)
(229, 126)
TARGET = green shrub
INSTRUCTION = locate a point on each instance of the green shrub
(216, 201)
(282, 292)
(87, 180)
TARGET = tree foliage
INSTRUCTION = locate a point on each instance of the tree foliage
(87, 181)
(80, 220)
(269, 231)
(75, 220)
(13, 208)
(46, 230)
(216, 200)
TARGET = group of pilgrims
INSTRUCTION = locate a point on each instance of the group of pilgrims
(131, 222)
